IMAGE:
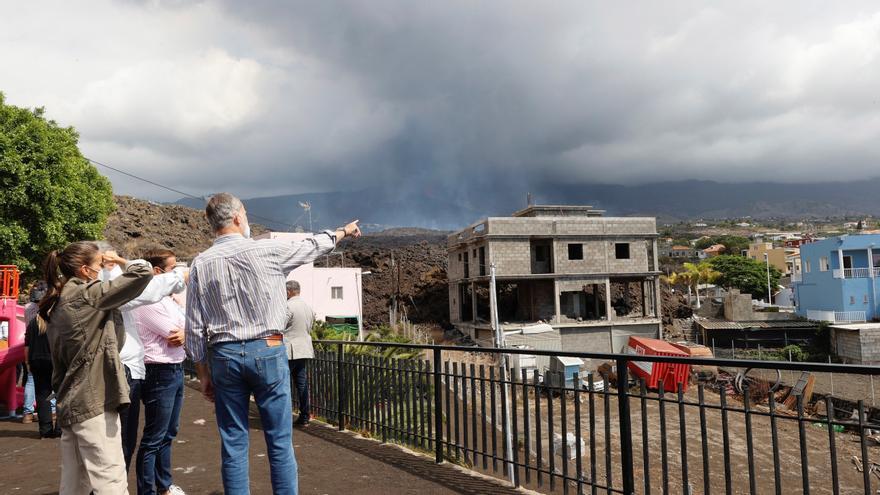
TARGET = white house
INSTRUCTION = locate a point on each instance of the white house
(331, 292)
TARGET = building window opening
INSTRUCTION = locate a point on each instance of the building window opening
(575, 251)
(335, 292)
(621, 250)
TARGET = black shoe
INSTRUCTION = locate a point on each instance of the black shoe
(302, 421)
(51, 434)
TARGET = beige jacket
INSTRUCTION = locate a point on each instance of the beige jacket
(85, 335)
(297, 335)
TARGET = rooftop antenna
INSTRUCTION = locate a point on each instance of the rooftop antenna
(307, 206)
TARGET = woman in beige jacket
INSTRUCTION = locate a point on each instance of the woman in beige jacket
(85, 335)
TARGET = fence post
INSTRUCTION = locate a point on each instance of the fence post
(340, 387)
(626, 449)
(438, 410)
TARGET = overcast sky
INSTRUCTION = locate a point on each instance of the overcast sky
(266, 98)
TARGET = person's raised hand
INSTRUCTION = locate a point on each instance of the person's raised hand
(111, 258)
(352, 229)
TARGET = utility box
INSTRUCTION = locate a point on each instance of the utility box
(672, 374)
(562, 371)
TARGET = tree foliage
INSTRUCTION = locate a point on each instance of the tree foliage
(747, 275)
(49, 194)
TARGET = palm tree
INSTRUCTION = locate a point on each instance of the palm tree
(700, 273)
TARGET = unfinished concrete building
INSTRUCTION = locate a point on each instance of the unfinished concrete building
(593, 278)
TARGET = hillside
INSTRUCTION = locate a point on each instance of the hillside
(137, 225)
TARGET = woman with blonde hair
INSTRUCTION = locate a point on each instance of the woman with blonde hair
(85, 334)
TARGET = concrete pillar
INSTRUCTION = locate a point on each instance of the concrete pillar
(474, 302)
(608, 299)
(840, 263)
(556, 301)
(658, 299)
(656, 256)
(646, 303)
(596, 299)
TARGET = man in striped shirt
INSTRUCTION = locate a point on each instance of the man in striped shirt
(235, 316)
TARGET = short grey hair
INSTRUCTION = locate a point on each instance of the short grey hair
(221, 209)
(293, 286)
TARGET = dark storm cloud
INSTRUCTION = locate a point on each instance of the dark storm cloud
(458, 97)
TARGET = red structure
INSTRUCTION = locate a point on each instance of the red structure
(672, 374)
(9, 281)
(11, 348)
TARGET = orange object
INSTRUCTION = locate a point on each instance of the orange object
(9, 281)
(672, 374)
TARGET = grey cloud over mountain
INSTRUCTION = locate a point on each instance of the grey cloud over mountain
(454, 98)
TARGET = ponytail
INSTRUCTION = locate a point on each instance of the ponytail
(54, 283)
(41, 324)
(61, 267)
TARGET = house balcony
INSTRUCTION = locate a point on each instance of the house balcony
(837, 316)
(863, 272)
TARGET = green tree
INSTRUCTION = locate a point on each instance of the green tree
(747, 275)
(49, 194)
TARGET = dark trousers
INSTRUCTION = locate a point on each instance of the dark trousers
(42, 372)
(129, 418)
(162, 393)
(299, 381)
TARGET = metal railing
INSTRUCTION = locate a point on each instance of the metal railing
(849, 316)
(857, 272)
(582, 435)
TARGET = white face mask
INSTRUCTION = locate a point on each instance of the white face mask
(107, 275)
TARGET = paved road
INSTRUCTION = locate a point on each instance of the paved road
(330, 462)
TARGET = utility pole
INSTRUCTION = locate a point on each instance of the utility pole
(505, 367)
(767, 261)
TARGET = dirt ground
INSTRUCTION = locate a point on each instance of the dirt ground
(330, 462)
(787, 442)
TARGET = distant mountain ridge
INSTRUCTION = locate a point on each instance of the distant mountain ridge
(380, 209)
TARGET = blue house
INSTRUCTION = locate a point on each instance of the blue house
(838, 279)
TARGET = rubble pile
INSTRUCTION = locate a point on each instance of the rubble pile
(418, 274)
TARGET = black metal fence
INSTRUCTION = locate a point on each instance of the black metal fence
(582, 436)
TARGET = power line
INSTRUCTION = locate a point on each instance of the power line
(148, 181)
(178, 191)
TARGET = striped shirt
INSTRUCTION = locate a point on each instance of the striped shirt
(236, 288)
(155, 323)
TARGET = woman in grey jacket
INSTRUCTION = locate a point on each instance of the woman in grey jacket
(85, 336)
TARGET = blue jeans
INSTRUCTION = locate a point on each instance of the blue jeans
(162, 393)
(30, 396)
(239, 369)
(130, 417)
(300, 380)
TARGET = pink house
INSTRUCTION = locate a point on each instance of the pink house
(331, 292)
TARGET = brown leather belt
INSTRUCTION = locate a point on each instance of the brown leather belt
(274, 340)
